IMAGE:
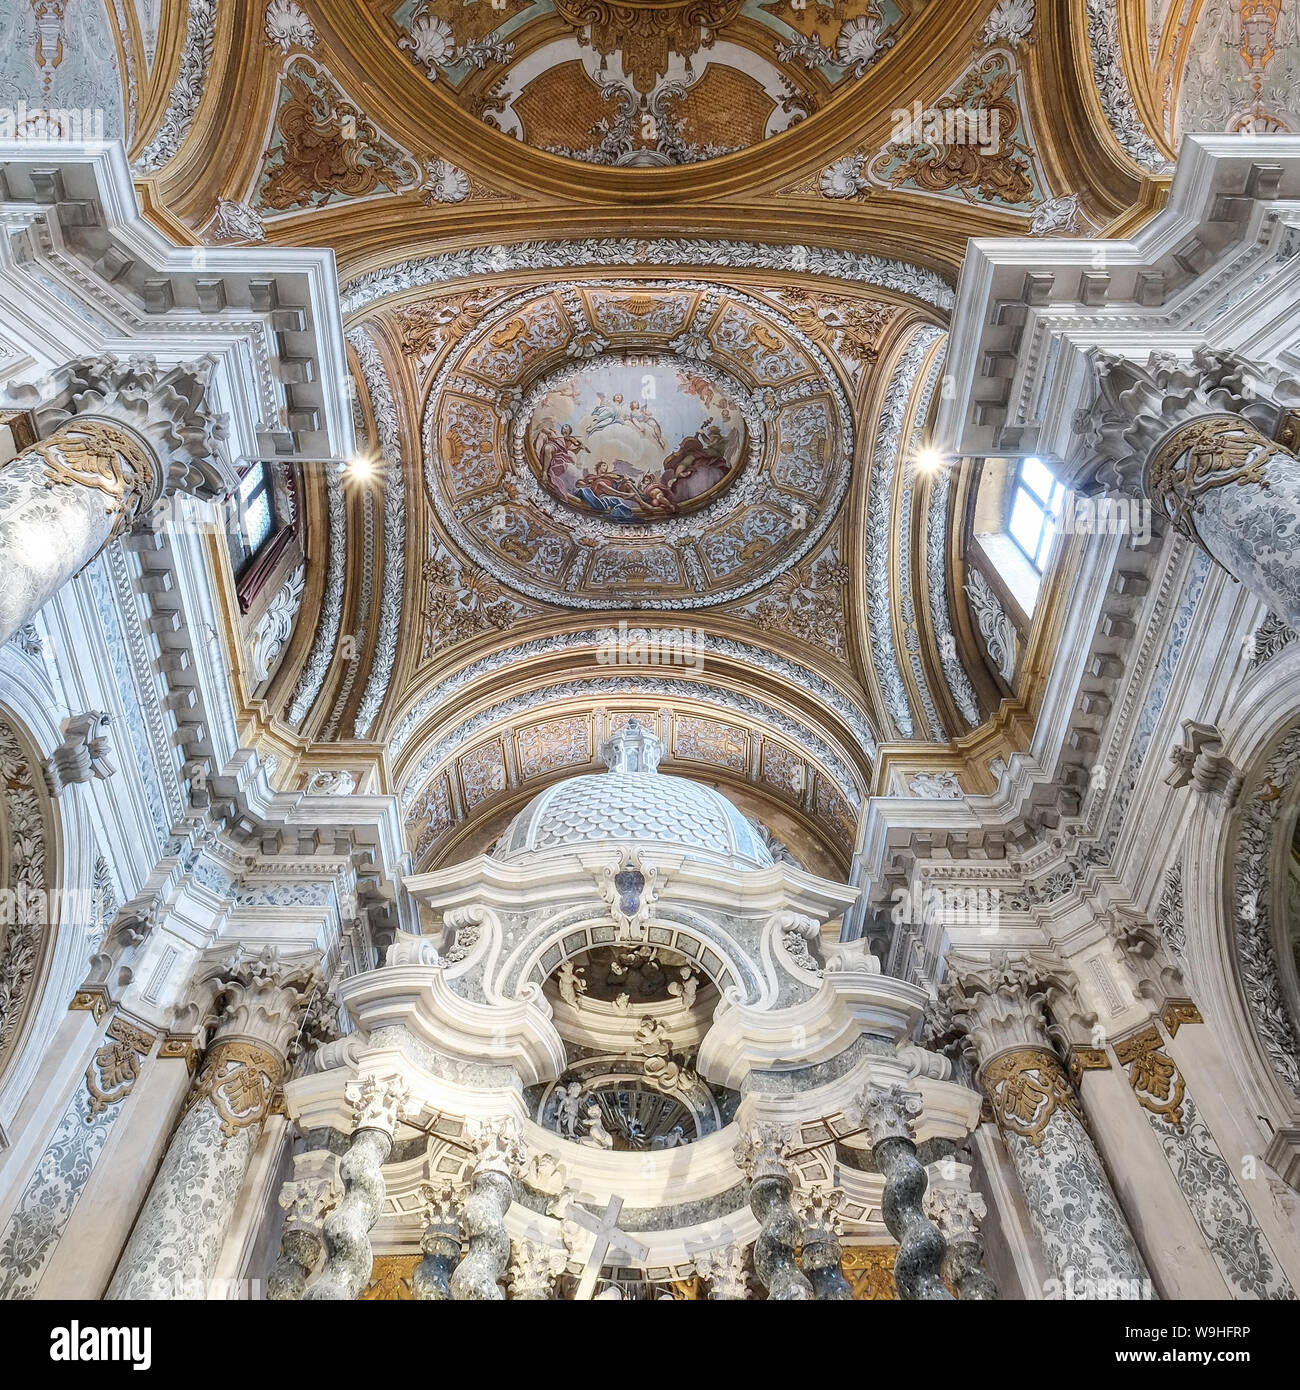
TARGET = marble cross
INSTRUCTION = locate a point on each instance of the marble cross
(606, 1236)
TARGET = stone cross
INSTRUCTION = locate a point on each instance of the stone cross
(606, 1236)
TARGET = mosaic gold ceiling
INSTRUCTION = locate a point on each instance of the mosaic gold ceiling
(646, 309)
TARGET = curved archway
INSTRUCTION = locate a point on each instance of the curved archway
(29, 881)
(1231, 895)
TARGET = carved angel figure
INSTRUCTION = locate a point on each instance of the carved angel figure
(568, 1109)
(597, 1136)
(570, 984)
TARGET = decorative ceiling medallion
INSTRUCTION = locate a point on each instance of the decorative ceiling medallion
(729, 469)
(599, 449)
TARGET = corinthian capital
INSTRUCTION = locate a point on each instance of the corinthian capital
(819, 1210)
(889, 1112)
(307, 1202)
(378, 1104)
(955, 1209)
(261, 997)
(1138, 405)
(498, 1146)
(763, 1149)
(167, 407)
(999, 1002)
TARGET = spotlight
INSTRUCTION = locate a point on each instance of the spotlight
(929, 460)
(360, 469)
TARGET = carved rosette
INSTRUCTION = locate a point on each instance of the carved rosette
(499, 1154)
(761, 1155)
(889, 1113)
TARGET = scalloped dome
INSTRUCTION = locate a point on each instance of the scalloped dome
(633, 803)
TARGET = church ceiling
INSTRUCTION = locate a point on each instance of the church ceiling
(644, 84)
(646, 309)
(636, 444)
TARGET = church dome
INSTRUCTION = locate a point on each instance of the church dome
(634, 804)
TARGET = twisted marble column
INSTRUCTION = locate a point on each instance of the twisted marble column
(888, 1112)
(957, 1211)
(306, 1201)
(440, 1243)
(499, 1154)
(177, 1240)
(115, 437)
(760, 1154)
(377, 1105)
(821, 1255)
(1079, 1221)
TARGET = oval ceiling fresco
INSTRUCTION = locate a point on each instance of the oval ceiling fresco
(638, 443)
(636, 439)
(645, 82)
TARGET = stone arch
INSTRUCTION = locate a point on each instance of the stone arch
(555, 940)
(1231, 902)
(71, 849)
(29, 880)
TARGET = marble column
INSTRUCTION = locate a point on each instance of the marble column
(177, 1241)
(499, 1154)
(116, 438)
(889, 1113)
(306, 1203)
(1191, 438)
(1072, 1205)
(377, 1106)
(821, 1255)
(440, 1244)
(957, 1212)
(761, 1156)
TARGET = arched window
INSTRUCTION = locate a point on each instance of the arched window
(265, 518)
(1035, 511)
(1017, 513)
